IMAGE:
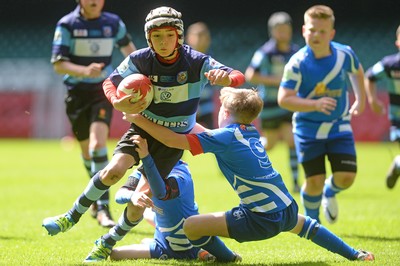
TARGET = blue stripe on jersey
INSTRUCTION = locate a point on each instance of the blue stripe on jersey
(314, 78)
(84, 41)
(177, 87)
(245, 164)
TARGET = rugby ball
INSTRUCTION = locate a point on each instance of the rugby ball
(137, 85)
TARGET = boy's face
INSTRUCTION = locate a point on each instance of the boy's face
(164, 41)
(282, 33)
(318, 33)
(398, 41)
(92, 8)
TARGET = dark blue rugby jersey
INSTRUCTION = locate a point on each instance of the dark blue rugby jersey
(177, 87)
(84, 41)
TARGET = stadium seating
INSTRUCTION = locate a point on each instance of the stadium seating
(25, 51)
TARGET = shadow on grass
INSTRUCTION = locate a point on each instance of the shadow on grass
(378, 238)
(183, 262)
(12, 238)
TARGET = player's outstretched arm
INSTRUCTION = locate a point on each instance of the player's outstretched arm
(161, 133)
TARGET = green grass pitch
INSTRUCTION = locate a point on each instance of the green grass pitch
(41, 178)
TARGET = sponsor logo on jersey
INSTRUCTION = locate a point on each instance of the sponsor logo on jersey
(57, 36)
(94, 47)
(153, 78)
(107, 31)
(167, 78)
(123, 66)
(238, 214)
(165, 96)
(182, 77)
(80, 33)
(169, 124)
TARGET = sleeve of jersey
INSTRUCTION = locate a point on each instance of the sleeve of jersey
(110, 90)
(156, 182)
(195, 145)
(237, 78)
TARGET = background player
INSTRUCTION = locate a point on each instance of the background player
(314, 87)
(265, 70)
(82, 51)
(198, 36)
(387, 69)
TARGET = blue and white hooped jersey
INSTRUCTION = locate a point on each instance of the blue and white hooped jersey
(177, 87)
(313, 78)
(170, 214)
(84, 41)
(245, 164)
(387, 70)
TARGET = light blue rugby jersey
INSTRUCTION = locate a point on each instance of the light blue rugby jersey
(387, 70)
(177, 87)
(245, 164)
(84, 41)
(314, 78)
(268, 60)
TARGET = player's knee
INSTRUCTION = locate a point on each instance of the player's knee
(111, 175)
(134, 213)
(315, 182)
(188, 228)
(345, 180)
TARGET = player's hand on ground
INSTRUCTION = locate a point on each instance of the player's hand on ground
(325, 105)
(218, 77)
(141, 145)
(93, 70)
(142, 200)
(126, 106)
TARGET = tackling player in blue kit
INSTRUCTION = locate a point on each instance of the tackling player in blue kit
(178, 74)
(266, 207)
(169, 242)
(82, 51)
(314, 88)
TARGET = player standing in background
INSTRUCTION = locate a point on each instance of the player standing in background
(387, 69)
(265, 70)
(178, 74)
(82, 51)
(199, 38)
(314, 87)
(266, 207)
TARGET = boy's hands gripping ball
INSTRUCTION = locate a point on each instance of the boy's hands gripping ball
(137, 85)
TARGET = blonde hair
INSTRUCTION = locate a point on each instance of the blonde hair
(244, 105)
(320, 12)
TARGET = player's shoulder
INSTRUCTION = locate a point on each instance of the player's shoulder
(110, 16)
(342, 47)
(392, 60)
(191, 54)
(268, 47)
(68, 18)
(299, 57)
